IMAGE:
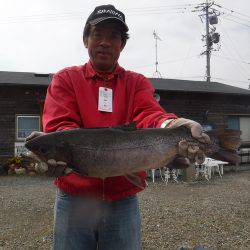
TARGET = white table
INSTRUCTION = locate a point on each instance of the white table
(210, 166)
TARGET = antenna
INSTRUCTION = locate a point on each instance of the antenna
(156, 74)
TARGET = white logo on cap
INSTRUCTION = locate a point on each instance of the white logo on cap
(110, 12)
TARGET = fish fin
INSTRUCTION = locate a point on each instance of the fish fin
(127, 127)
(78, 171)
(179, 162)
(64, 150)
(230, 156)
(135, 180)
(226, 138)
(228, 141)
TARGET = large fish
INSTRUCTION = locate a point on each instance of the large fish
(116, 151)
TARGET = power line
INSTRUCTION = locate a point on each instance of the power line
(233, 62)
(235, 66)
(165, 62)
(159, 12)
(178, 8)
(159, 7)
(40, 18)
(235, 15)
(62, 17)
(231, 59)
(187, 55)
(236, 21)
(239, 18)
(236, 50)
(232, 11)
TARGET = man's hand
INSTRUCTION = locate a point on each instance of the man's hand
(51, 167)
(34, 134)
(195, 127)
(193, 152)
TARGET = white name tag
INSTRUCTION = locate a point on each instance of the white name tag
(105, 99)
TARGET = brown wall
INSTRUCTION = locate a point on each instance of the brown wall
(16, 100)
(195, 105)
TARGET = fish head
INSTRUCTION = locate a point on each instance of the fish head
(48, 147)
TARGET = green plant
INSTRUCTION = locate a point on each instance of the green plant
(16, 160)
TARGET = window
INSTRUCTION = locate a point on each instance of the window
(233, 122)
(25, 124)
(240, 123)
(245, 128)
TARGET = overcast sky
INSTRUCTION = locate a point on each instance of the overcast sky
(45, 36)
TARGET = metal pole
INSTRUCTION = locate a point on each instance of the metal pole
(156, 56)
(208, 43)
(156, 37)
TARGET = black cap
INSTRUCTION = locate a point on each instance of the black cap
(104, 12)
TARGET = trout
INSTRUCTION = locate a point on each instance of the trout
(124, 150)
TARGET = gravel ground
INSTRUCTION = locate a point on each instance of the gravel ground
(215, 213)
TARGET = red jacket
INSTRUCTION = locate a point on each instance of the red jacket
(72, 102)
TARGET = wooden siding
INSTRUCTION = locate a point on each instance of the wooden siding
(16, 100)
(196, 105)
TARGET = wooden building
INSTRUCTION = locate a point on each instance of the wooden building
(21, 102)
(211, 104)
(215, 104)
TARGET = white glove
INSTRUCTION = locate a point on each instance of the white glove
(191, 151)
(51, 167)
(34, 134)
(195, 127)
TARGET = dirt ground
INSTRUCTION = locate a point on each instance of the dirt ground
(216, 213)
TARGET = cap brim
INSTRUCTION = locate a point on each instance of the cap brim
(101, 19)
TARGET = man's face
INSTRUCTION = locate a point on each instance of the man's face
(104, 45)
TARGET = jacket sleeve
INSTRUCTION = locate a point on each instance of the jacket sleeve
(60, 108)
(147, 112)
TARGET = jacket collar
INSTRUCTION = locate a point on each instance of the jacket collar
(91, 73)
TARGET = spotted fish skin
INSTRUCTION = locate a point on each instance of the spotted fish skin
(115, 151)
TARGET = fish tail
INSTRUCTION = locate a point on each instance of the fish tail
(228, 141)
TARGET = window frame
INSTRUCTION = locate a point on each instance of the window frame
(236, 118)
(26, 116)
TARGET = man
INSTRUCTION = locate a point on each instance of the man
(91, 213)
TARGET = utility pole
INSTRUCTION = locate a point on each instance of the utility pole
(156, 73)
(210, 15)
(208, 48)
